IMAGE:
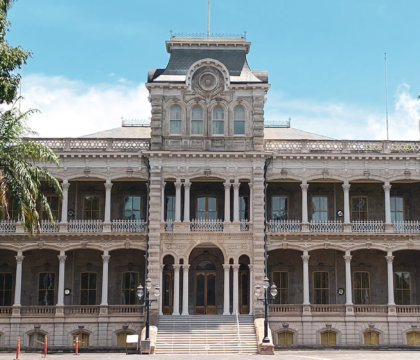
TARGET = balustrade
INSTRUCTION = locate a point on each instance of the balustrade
(326, 226)
(90, 226)
(368, 226)
(408, 227)
(7, 226)
(125, 309)
(370, 308)
(37, 310)
(169, 225)
(6, 310)
(244, 225)
(48, 227)
(128, 226)
(284, 226)
(82, 309)
(206, 225)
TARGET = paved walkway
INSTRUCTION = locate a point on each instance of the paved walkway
(283, 355)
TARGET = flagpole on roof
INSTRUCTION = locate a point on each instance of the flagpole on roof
(208, 18)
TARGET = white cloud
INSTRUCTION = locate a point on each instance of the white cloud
(349, 121)
(73, 108)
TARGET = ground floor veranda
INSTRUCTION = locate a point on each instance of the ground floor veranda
(91, 293)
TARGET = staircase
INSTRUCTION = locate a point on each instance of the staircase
(206, 334)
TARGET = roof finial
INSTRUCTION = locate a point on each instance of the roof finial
(208, 18)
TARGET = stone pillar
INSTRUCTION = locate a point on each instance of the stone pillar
(235, 305)
(108, 187)
(162, 213)
(226, 268)
(176, 289)
(18, 283)
(65, 203)
(304, 186)
(387, 191)
(349, 290)
(346, 191)
(251, 287)
(105, 262)
(227, 186)
(236, 186)
(61, 273)
(185, 269)
(305, 259)
(389, 260)
(187, 187)
(178, 185)
(250, 202)
(161, 289)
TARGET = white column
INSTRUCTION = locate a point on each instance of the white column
(161, 289)
(235, 306)
(61, 273)
(176, 289)
(389, 260)
(251, 287)
(236, 186)
(304, 186)
(226, 268)
(305, 259)
(65, 204)
(187, 187)
(18, 282)
(250, 202)
(185, 269)
(387, 190)
(347, 258)
(346, 190)
(105, 262)
(178, 185)
(163, 202)
(227, 200)
(108, 187)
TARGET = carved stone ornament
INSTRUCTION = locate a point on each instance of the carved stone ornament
(207, 81)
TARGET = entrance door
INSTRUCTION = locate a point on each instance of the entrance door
(167, 292)
(205, 302)
(243, 291)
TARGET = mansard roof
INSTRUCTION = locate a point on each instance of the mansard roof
(187, 51)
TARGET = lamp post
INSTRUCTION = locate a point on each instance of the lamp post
(147, 300)
(266, 300)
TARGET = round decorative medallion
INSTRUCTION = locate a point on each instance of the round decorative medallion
(207, 81)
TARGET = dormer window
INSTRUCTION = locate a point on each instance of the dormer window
(218, 121)
(239, 120)
(175, 120)
(197, 120)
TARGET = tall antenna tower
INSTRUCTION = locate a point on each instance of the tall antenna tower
(386, 99)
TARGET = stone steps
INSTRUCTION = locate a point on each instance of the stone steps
(205, 334)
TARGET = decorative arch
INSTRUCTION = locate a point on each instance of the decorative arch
(211, 63)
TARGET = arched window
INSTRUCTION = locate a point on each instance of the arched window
(239, 120)
(175, 120)
(218, 121)
(197, 120)
(328, 337)
(371, 337)
(285, 338)
(413, 338)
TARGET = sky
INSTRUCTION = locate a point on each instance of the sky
(325, 60)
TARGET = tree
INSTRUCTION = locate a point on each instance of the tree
(22, 177)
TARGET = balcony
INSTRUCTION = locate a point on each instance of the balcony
(79, 226)
(206, 225)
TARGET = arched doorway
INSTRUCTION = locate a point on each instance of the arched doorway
(167, 285)
(206, 277)
(244, 284)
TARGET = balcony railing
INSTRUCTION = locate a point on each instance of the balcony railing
(7, 226)
(368, 226)
(85, 226)
(125, 309)
(407, 227)
(326, 226)
(341, 146)
(284, 226)
(82, 309)
(6, 310)
(37, 310)
(169, 225)
(244, 225)
(48, 227)
(128, 226)
(206, 225)
(338, 308)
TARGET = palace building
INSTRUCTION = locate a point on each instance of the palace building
(208, 201)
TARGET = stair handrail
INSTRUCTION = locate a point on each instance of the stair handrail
(239, 332)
